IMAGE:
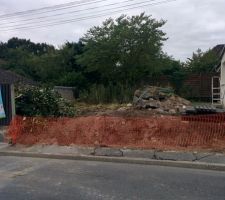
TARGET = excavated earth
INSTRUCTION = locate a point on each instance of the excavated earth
(152, 132)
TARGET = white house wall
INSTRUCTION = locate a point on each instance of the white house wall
(222, 80)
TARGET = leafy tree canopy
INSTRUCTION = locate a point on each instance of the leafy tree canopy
(202, 61)
(111, 60)
(125, 49)
(27, 45)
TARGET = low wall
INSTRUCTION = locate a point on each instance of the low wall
(66, 92)
(153, 132)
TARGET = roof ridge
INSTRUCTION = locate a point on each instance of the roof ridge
(10, 77)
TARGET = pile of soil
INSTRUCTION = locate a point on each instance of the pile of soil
(160, 100)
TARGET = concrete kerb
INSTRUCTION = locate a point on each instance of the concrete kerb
(3, 146)
(2, 133)
(208, 161)
(166, 163)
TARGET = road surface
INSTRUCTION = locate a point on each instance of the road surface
(34, 179)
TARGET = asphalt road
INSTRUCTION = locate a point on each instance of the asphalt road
(28, 179)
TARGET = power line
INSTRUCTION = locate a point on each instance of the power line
(87, 17)
(71, 12)
(48, 9)
(77, 11)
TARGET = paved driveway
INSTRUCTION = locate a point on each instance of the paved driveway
(28, 178)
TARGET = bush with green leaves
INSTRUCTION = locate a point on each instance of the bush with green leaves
(36, 101)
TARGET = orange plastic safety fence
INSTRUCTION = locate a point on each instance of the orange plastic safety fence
(189, 132)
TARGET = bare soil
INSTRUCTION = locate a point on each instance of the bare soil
(116, 110)
(148, 132)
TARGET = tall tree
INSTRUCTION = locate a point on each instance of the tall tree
(31, 47)
(202, 61)
(124, 50)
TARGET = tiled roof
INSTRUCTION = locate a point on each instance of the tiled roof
(220, 51)
(8, 77)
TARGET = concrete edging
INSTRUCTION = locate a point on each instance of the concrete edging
(125, 160)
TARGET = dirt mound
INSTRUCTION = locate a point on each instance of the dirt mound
(161, 100)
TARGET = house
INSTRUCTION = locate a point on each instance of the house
(222, 79)
(8, 80)
(218, 83)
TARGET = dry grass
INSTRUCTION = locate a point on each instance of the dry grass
(95, 109)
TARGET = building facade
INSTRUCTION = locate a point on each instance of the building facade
(222, 80)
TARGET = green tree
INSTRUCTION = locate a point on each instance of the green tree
(123, 50)
(27, 45)
(42, 62)
(202, 61)
(68, 56)
(24, 57)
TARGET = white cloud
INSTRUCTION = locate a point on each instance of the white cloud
(191, 24)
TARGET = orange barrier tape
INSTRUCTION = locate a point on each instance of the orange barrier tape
(188, 132)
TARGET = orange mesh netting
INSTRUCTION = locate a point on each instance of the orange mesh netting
(165, 132)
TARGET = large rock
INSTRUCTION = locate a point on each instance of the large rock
(152, 104)
(137, 93)
(156, 98)
(136, 100)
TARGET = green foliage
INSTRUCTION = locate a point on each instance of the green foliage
(202, 61)
(108, 63)
(34, 101)
(41, 62)
(108, 94)
(28, 46)
(125, 49)
(73, 79)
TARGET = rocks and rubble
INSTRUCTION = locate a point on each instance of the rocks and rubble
(161, 100)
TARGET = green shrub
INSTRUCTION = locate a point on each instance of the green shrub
(35, 101)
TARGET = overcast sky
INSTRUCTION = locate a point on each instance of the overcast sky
(191, 24)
